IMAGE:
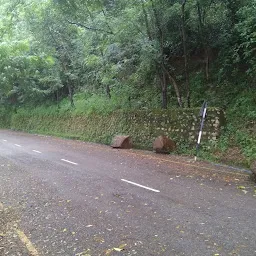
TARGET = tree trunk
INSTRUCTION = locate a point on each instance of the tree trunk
(162, 73)
(70, 95)
(207, 64)
(57, 98)
(146, 20)
(108, 91)
(70, 87)
(233, 7)
(204, 43)
(176, 87)
(184, 41)
(164, 91)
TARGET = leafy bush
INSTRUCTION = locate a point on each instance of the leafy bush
(5, 118)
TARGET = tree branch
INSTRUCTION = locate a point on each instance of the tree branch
(110, 29)
(89, 28)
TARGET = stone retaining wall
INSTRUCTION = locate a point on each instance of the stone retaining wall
(182, 125)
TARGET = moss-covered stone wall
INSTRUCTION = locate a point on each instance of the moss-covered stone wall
(180, 125)
(143, 126)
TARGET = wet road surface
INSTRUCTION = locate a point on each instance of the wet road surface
(64, 197)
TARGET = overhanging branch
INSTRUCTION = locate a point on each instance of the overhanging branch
(89, 28)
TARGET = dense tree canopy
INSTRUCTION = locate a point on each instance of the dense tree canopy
(147, 53)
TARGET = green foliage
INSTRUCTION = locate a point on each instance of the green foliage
(247, 143)
(243, 106)
(103, 47)
(5, 118)
(25, 78)
(240, 131)
(246, 28)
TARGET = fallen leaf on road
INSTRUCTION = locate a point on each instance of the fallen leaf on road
(84, 253)
(88, 226)
(241, 187)
(117, 249)
(99, 239)
(108, 252)
(122, 246)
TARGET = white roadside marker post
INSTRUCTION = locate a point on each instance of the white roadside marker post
(203, 115)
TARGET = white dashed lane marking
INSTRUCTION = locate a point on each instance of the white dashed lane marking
(70, 162)
(67, 161)
(141, 186)
(38, 152)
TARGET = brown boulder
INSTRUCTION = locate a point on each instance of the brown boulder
(123, 142)
(163, 144)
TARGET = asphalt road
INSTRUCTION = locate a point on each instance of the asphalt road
(64, 197)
